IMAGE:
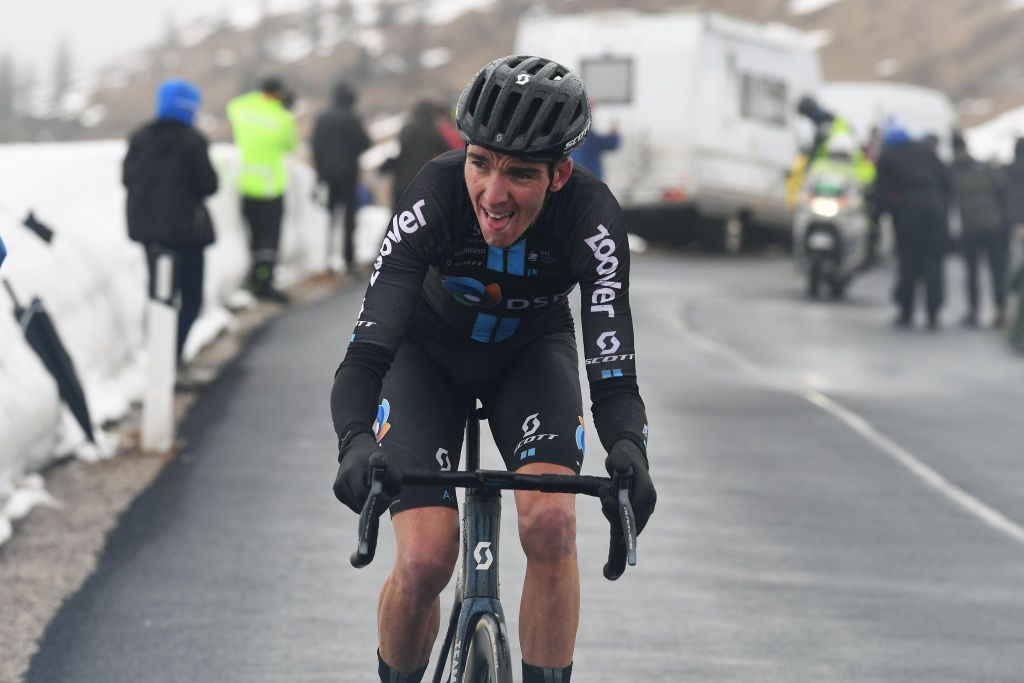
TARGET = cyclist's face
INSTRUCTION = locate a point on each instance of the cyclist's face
(508, 193)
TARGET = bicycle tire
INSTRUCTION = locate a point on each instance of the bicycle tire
(487, 658)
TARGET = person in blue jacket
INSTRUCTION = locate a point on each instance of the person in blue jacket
(3, 252)
(593, 148)
(168, 175)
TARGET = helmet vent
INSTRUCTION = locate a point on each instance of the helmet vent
(474, 97)
(506, 114)
(535, 68)
(492, 97)
(531, 113)
(552, 119)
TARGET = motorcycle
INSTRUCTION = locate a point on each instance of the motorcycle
(831, 233)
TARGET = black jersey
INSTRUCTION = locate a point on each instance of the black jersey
(437, 279)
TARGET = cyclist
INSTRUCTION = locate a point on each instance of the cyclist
(468, 297)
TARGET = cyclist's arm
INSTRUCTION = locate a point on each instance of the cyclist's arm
(413, 235)
(602, 265)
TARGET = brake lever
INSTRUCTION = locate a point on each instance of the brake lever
(369, 521)
(622, 547)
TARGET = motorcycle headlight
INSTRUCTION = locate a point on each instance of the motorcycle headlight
(826, 207)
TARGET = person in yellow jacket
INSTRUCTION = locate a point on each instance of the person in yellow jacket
(264, 132)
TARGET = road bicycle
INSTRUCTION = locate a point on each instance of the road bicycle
(476, 645)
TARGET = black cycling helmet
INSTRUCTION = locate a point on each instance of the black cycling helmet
(527, 107)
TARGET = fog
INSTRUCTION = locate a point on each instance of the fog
(101, 31)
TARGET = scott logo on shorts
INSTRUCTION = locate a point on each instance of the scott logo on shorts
(381, 425)
(470, 292)
(530, 427)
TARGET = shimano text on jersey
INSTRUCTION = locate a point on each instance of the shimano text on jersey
(607, 268)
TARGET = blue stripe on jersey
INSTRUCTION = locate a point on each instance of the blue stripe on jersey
(517, 259)
(506, 328)
(483, 328)
(496, 259)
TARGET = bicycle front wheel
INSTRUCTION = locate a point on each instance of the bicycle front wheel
(487, 659)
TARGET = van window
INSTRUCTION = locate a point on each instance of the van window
(763, 98)
(609, 80)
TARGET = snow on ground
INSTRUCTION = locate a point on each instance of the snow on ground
(91, 279)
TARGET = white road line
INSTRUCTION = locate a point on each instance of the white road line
(861, 426)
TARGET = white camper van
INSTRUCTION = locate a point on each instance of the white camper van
(704, 103)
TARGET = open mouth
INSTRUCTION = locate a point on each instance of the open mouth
(497, 220)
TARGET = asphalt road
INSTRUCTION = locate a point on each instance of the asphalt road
(839, 501)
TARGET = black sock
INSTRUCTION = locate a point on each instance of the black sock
(389, 675)
(533, 674)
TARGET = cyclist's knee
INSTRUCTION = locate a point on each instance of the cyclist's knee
(547, 528)
(425, 564)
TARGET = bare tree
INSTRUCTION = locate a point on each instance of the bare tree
(313, 16)
(346, 14)
(62, 70)
(172, 37)
(7, 104)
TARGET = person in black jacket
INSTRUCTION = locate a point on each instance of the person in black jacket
(1013, 175)
(978, 190)
(338, 140)
(168, 174)
(419, 141)
(913, 187)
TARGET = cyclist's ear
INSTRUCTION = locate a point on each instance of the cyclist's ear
(559, 175)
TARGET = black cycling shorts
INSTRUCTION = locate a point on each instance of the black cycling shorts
(531, 395)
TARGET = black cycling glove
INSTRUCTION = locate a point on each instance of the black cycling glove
(626, 457)
(357, 456)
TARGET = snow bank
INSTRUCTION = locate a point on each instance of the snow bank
(92, 281)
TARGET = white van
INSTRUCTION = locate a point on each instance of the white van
(705, 105)
(868, 105)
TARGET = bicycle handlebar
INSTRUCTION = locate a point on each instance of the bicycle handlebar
(622, 547)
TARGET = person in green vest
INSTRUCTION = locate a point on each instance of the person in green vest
(264, 132)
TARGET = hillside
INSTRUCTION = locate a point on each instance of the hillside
(966, 48)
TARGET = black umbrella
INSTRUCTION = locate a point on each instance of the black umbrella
(43, 338)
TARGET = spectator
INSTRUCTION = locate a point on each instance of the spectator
(978, 192)
(3, 252)
(168, 174)
(264, 132)
(338, 140)
(913, 187)
(593, 148)
(419, 142)
(1014, 195)
(448, 130)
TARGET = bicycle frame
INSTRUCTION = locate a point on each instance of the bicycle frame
(477, 590)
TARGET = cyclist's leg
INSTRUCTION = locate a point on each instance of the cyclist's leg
(536, 418)
(420, 424)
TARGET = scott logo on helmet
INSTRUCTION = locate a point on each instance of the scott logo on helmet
(607, 267)
(522, 79)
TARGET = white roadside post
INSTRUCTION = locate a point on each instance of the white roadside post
(162, 331)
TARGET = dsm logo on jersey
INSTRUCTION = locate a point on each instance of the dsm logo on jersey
(470, 292)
